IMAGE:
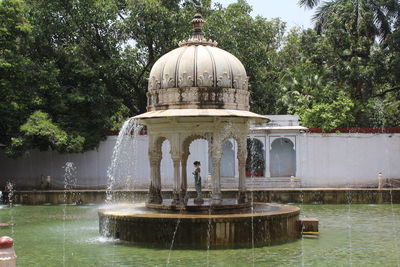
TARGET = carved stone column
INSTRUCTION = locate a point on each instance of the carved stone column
(177, 179)
(216, 177)
(155, 177)
(184, 176)
(242, 157)
(176, 154)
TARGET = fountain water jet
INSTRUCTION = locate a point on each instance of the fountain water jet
(70, 182)
(129, 130)
(198, 91)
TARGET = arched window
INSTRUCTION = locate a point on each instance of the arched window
(255, 164)
(282, 158)
(228, 160)
(198, 151)
(166, 172)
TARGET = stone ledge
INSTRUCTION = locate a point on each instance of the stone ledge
(280, 195)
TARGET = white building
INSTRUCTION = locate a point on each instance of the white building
(287, 154)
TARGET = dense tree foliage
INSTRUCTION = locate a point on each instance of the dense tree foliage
(255, 41)
(367, 18)
(72, 70)
(353, 60)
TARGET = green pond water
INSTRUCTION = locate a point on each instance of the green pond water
(351, 235)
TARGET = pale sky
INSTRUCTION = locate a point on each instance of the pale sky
(288, 10)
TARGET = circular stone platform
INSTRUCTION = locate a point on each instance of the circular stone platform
(267, 223)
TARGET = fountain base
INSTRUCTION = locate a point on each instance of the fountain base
(205, 206)
(267, 224)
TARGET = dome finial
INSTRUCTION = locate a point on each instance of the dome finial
(198, 23)
(198, 34)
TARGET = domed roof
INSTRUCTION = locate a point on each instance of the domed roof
(198, 75)
(198, 65)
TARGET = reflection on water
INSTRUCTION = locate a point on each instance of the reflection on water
(39, 234)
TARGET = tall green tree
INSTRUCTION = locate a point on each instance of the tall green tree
(307, 85)
(24, 80)
(59, 90)
(370, 18)
(72, 70)
(255, 41)
(355, 63)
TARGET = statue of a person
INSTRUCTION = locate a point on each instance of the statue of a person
(197, 182)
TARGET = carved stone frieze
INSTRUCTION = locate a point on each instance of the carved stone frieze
(185, 80)
(183, 95)
(205, 79)
(195, 97)
(168, 81)
(154, 83)
(224, 81)
(196, 41)
(193, 94)
(240, 82)
(155, 99)
(246, 84)
(161, 96)
(242, 150)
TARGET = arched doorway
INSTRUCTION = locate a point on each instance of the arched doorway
(198, 151)
(282, 158)
(255, 163)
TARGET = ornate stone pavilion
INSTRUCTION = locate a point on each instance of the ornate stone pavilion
(197, 91)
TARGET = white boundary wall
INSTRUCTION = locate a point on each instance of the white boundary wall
(132, 171)
(347, 159)
(323, 160)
